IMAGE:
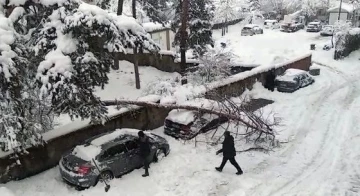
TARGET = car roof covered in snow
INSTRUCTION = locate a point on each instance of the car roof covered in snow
(270, 21)
(251, 25)
(95, 145)
(185, 117)
(289, 74)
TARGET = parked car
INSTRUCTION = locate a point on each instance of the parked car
(327, 30)
(292, 80)
(271, 24)
(116, 153)
(187, 124)
(289, 27)
(313, 27)
(251, 29)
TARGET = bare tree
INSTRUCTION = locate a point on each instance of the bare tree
(183, 33)
(115, 54)
(136, 62)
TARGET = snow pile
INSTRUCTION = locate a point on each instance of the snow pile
(154, 26)
(354, 31)
(6, 192)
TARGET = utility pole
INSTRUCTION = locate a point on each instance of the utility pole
(183, 33)
(340, 9)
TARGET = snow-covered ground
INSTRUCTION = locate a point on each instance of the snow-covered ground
(122, 85)
(320, 134)
(271, 47)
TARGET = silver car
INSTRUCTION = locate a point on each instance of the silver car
(115, 153)
(251, 29)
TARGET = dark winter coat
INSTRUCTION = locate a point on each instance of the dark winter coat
(228, 148)
(144, 145)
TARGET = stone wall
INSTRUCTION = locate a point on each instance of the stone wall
(163, 62)
(47, 156)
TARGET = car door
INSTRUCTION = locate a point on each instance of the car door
(114, 159)
(134, 160)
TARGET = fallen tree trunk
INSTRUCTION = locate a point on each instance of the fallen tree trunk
(223, 113)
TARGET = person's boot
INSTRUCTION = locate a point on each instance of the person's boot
(146, 173)
(240, 172)
(219, 169)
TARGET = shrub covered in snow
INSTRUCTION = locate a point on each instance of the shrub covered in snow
(214, 65)
(347, 40)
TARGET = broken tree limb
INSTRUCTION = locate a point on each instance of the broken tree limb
(219, 112)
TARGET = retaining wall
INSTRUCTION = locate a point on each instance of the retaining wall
(47, 156)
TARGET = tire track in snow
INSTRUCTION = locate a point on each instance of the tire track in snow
(324, 154)
(308, 169)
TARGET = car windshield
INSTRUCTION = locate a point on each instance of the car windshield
(247, 28)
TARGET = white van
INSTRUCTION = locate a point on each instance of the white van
(271, 24)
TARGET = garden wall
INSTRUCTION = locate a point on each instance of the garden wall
(163, 62)
(47, 156)
(223, 24)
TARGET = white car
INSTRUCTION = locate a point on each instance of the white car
(251, 29)
(271, 24)
(327, 30)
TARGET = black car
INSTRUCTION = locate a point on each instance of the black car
(187, 124)
(292, 80)
(115, 153)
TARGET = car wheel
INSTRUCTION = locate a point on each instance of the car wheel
(105, 175)
(79, 188)
(159, 155)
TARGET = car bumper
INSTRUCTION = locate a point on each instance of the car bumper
(312, 30)
(325, 34)
(286, 90)
(76, 179)
(178, 133)
(246, 34)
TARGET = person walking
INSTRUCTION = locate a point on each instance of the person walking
(229, 153)
(144, 145)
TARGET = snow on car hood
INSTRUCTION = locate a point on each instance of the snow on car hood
(181, 116)
(289, 75)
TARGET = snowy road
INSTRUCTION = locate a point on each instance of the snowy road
(320, 154)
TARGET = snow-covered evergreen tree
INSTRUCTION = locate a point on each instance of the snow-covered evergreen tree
(254, 5)
(200, 16)
(61, 51)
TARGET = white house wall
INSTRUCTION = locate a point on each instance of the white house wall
(160, 38)
(333, 17)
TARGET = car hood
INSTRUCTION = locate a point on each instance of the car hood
(158, 138)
